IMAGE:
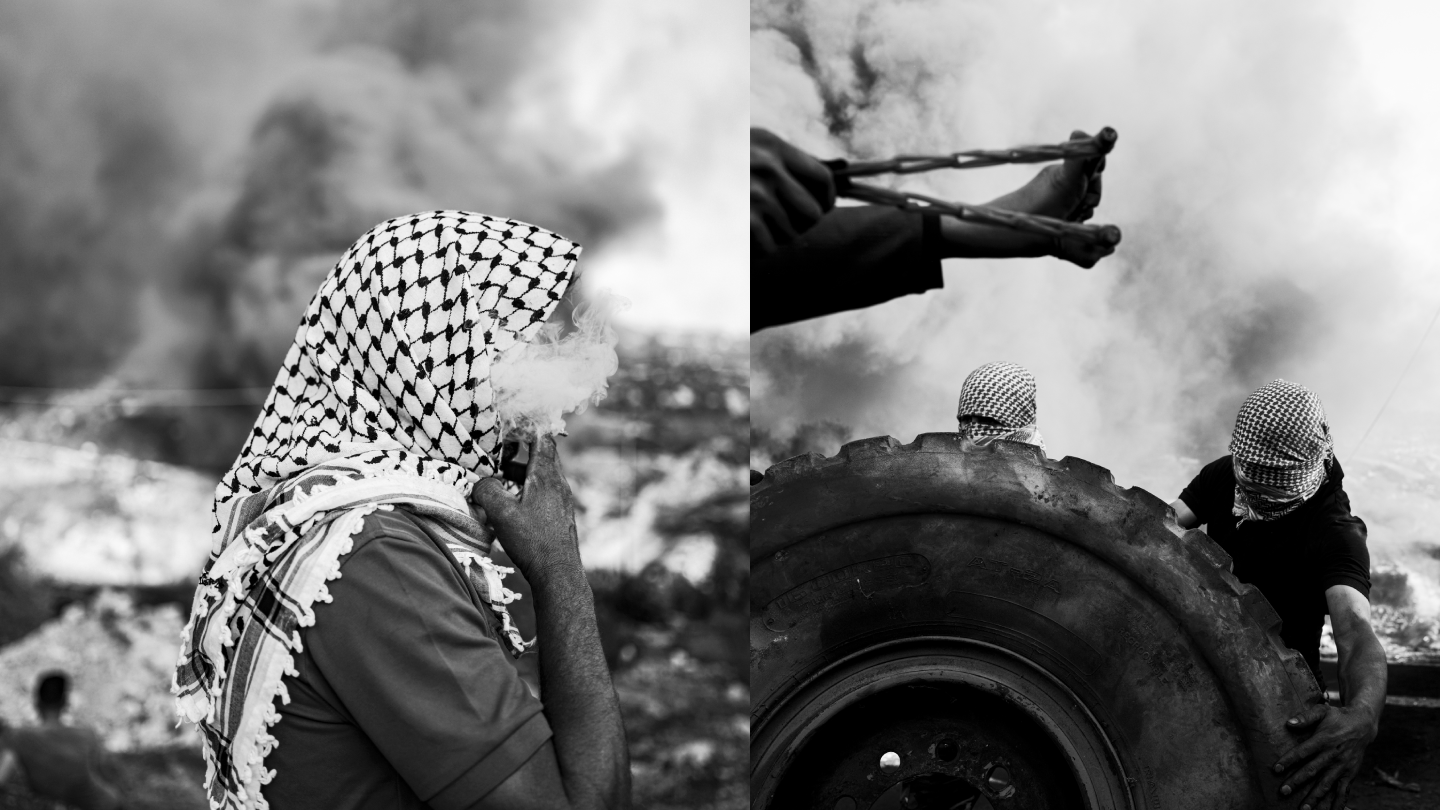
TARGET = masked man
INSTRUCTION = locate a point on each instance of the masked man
(348, 642)
(997, 401)
(1276, 505)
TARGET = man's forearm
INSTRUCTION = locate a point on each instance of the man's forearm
(579, 696)
(971, 240)
(1363, 674)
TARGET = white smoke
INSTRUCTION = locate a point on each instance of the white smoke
(537, 383)
(216, 158)
(1268, 179)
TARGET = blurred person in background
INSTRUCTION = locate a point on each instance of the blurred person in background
(997, 401)
(1277, 506)
(61, 762)
(809, 258)
(349, 639)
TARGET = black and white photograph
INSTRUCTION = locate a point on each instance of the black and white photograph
(374, 405)
(1095, 395)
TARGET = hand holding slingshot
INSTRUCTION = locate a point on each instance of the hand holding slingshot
(1091, 148)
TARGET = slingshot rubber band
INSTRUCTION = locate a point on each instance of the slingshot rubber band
(1095, 146)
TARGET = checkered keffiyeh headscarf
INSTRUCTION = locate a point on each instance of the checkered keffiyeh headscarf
(1003, 396)
(384, 398)
(1279, 449)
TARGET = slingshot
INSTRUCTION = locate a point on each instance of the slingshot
(1096, 145)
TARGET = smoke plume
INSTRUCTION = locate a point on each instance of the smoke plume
(538, 383)
(175, 178)
(1255, 180)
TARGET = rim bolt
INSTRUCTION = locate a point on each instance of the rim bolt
(999, 781)
(946, 750)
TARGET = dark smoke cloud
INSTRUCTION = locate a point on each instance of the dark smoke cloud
(176, 177)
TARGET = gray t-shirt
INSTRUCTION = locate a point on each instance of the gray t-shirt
(405, 696)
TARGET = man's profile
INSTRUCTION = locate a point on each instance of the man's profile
(348, 645)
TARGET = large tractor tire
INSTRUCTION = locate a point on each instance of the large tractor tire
(943, 625)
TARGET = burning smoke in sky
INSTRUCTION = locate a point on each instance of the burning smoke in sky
(176, 177)
(1258, 180)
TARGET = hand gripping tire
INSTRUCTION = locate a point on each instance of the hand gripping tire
(1007, 629)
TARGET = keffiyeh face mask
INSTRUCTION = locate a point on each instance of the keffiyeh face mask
(997, 401)
(1279, 450)
(395, 350)
(385, 399)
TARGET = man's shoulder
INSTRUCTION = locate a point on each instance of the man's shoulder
(389, 525)
(394, 543)
(52, 740)
(1223, 466)
(1334, 515)
(1215, 479)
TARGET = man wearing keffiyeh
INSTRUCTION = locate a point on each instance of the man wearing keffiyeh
(997, 401)
(1276, 505)
(347, 645)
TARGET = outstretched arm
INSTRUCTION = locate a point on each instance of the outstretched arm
(853, 257)
(1332, 754)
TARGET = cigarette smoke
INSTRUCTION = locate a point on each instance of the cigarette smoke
(537, 383)
(1258, 181)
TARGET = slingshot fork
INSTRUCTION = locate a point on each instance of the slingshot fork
(1094, 146)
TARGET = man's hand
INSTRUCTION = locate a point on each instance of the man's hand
(1080, 253)
(538, 530)
(1333, 754)
(1070, 191)
(789, 192)
(586, 765)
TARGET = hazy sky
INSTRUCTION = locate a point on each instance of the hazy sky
(673, 77)
(176, 177)
(1272, 179)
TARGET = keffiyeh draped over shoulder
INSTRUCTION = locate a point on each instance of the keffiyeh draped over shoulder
(997, 401)
(384, 398)
(1279, 450)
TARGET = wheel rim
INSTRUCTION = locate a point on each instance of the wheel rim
(970, 724)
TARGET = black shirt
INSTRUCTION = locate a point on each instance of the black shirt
(854, 257)
(1292, 559)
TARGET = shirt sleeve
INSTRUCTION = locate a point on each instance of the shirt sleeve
(1200, 494)
(406, 650)
(1346, 559)
(854, 257)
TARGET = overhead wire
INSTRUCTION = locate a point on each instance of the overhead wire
(1398, 381)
